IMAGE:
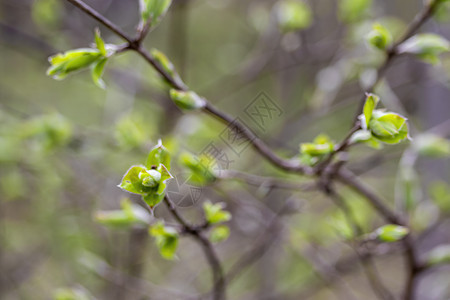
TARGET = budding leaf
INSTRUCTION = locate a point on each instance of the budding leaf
(219, 234)
(214, 213)
(360, 136)
(65, 63)
(200, 167)
(440, 195)
(153, 199)
(97, 72)
(149, 183)
(370, 104)
(153, 11)
(50, 131)
(391, 233)
(158, 155)
(321, 145)
(100, 43)
(127, 217)
(165, 63)
(439, 255)
(166, 239)
(293, 15)
(131, 181)
(187, 100)
(389, 128)
(353, 10)
(431, 145)
(426, 46)
(379, 37)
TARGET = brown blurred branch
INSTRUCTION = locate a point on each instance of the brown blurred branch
(219, 288)
(268, 182)
(367, 261)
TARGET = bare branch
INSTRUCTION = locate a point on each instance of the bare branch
(219, 285)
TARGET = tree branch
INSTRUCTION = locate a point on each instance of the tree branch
(348, 178)
(219, 285)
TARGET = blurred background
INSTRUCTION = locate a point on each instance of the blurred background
(65, 145)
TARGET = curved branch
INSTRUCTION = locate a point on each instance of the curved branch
(349, 179)
(219, 284)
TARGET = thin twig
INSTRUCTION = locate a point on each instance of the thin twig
(219, 284)
(99, 17)
(349, 179)
(241, 130)
(342, 146)
(268, 182)
(367, 261)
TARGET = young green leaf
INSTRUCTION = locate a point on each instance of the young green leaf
(360, 136)
(214, 213)
(153, 199)
(353, 10)
(150, 178)
(426, 46)
(65, 63)
(130, 131)
(97, 72)
(370, 104)
(127, 217)
(166, 239)
(440, 195)
(152, 11)
(100, 43)
(439, 255)
(379, 37)
(293, 15)
(132, 182)
(321, 146)
(187, 100)
(165, 63)
(389, 128)
(391, 233)
(431, 145)
(50, 131)
(149, 181)
(200, 167)
(158, 155)
(219, 234)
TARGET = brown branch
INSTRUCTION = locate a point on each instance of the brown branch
(413, 265)
(100, 18)
(258, 145)
(341, 147)
(219, 284)
(366, 261)
(269, 182)
(348, 178)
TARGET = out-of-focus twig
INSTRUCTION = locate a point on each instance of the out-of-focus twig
(219, 284)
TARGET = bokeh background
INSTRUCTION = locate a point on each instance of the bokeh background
(64, 146)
